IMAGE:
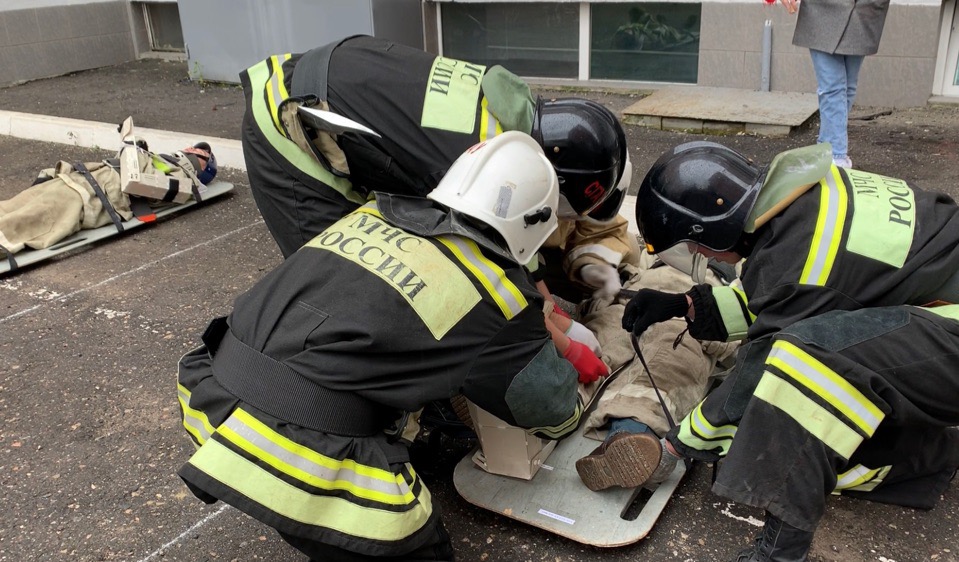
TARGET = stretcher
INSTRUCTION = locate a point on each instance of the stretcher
(10, 263)
(556, 500)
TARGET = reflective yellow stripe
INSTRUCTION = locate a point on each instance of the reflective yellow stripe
(811, 416)
(696, 432)
(339, 514)
(829, 226)
(831, 387)
(506, 294)
(312, 468)
(730, 302)
(161, 165)
(276, 89)
(860, 479)
(489, 126)
(195, 421)
(558, 431)
(259, 74)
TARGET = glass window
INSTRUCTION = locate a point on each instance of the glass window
(539, 39)
(648, 42)
(163, 21)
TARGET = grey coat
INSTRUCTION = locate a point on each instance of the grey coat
(842, 27)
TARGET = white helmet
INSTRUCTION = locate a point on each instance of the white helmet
(507, 183)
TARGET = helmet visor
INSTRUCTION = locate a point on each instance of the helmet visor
(685, 257)
(609, 208)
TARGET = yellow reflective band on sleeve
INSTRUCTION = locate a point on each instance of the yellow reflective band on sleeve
(195, 421)
(829, 226)
(731, 302)
(811, 416)
(696, 432)
(259, 75)
(860, 479)
(433, 285)
(557, 431)
(336, 513)
(311, 467)
(161, 165)
(275, 89)
(827, 384)
(452, 94)
(489, 126)
(884, 220)
(506, 294)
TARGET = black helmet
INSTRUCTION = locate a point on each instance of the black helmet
(698, 192)
(586, 145)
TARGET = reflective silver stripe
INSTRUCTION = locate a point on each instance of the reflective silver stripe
(277, 98)
(502, 289)
(491, 126)
(312, 468)
(193, 417)
(826, 239)
(827, 384)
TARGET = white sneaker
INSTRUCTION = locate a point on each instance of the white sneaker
(843, 162)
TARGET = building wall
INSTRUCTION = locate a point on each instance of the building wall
(44, 38)
(899, 75)
(249, 31)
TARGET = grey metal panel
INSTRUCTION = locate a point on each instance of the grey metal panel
(223, 37)
(399, 20)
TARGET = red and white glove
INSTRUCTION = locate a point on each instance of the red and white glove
(589, 367)
(603, 278)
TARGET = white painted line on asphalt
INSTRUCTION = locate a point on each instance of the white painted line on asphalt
(160, 551)
(131, 272)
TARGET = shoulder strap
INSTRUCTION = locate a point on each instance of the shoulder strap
(311, 73)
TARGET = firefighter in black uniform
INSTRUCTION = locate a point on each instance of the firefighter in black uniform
(427, 111)
(292, 399)
(848, 382)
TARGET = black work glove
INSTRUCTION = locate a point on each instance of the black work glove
(650, 307)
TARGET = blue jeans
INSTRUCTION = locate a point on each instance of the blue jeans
(627, 425)
(837, 77)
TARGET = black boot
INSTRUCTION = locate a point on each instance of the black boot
(779, 542)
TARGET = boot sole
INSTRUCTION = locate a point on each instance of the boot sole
(627, 463)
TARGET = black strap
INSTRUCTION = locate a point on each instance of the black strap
(142, 210)
(669, 417)
(280, 391)
(78, 166)
(13, 262)
(172, 190)
(311, 72)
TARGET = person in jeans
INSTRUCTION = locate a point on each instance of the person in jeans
(839, 34)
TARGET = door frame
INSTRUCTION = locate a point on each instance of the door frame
(947, 67)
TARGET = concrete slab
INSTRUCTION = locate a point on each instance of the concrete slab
(722, 110)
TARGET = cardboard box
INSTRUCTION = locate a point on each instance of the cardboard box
(506, 449)
(138, 176)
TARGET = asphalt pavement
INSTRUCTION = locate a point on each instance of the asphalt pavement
(90, 437)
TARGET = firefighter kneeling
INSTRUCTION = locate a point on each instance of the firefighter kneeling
(848, 382)
(402, 302)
